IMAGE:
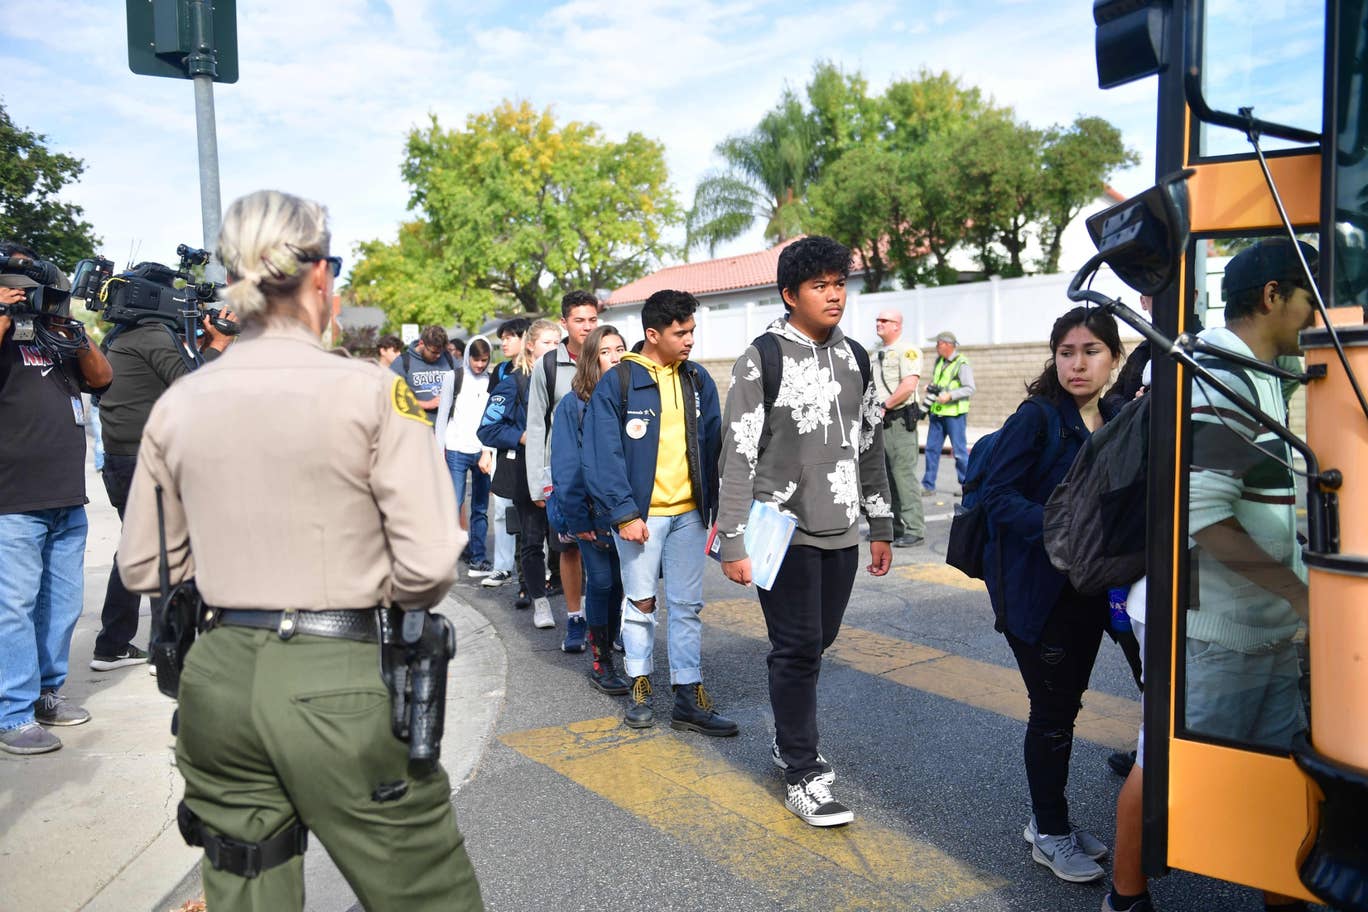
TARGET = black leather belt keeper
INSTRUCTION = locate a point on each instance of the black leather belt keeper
(245, 859)
(359, 624)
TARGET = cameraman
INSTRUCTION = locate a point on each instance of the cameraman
(147, 358)
(42, 521)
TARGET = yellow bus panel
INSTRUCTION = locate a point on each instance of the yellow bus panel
(1237, 815)
(1233, 196)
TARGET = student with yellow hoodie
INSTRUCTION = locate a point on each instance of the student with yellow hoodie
(652, 434)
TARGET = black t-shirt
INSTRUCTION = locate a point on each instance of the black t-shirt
(146, 360)
(42, 448)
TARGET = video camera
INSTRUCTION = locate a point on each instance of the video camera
(41, 316)
(152, 293)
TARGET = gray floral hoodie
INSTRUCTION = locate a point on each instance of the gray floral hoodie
(824, 460)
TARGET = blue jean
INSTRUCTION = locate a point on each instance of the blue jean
(602, 582)
(676, 547)
(459, 464)
(938, 426)
(505, 542)
(42, 554)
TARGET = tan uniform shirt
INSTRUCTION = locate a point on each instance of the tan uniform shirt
(894, 362)
(293, 479)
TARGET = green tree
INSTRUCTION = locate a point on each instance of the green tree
(867, 201)
(31, 177)
(1076, 162)
(766, 176)
(844, 116)
(1000, 180)
(517, 208)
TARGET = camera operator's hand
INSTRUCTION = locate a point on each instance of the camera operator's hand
(216, 339)
(9, 296)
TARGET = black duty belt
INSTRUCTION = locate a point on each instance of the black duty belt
(359, 624)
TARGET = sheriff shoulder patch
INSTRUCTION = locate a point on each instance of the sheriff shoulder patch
(402, 398)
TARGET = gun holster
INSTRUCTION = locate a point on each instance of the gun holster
(415, 649)
(175, 622)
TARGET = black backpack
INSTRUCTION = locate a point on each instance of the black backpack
(772, 372)
(549, 369)
(1095, 520)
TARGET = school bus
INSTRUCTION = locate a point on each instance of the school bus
(1264, 108)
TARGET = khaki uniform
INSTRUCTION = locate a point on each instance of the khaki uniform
(293, 479)
(892, 363)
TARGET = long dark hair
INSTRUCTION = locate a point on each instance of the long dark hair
(1096, 321)
(587, 371)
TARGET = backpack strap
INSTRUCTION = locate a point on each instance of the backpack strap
(624, 373)
(771, 367)
(549, 372)
(1053, 438)
(862, 359)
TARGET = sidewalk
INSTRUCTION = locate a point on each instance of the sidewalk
(93, 825)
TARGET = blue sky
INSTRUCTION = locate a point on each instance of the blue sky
(328, 91)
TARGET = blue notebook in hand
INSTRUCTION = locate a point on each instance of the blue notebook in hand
(767, 536)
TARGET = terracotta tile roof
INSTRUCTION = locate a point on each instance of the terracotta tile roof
(749, 270)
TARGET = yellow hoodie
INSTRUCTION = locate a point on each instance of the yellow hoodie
(672, 494)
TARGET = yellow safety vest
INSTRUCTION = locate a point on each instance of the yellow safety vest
(946, 376)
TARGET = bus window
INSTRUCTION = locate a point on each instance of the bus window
(1349, 284)
(1242, 648)
(1269, 56)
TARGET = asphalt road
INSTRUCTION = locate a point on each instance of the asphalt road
(920, 711)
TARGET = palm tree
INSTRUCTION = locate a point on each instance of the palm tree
(767, 175)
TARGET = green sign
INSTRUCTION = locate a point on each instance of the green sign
(182, 39)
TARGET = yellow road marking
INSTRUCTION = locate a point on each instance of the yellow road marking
(940, 574)
(701, 801)
(1104, 719)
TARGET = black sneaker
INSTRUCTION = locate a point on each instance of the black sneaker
(1121, 763)
(480, 569)
(496, 579)
(522, 601)
(811, 800)
(825, 771)
(132, 655)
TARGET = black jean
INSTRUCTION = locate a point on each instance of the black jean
(532, 538)
(1056, 671)
(119, 617)
(803, 615)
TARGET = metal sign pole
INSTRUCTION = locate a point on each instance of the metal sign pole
(211, 206)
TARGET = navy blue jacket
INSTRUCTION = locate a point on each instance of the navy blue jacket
(505, 419)
(1022, 583)
(619, 471)
(567, 472)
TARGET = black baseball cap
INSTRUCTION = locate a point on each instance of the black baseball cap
(1273, 260)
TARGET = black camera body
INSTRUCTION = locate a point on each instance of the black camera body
(150, 292)
(44, 307)
(48, 298)
(929, 397)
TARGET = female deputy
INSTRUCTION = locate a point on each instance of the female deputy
(1053, 630)
(602, 574)
(300, 491)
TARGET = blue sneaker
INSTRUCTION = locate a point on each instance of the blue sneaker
(576, 629)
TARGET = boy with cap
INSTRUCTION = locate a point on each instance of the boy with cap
(1242, 670)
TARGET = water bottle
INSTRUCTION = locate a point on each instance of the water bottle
(1120, 620)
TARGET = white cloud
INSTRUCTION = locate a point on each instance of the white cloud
(328, 94)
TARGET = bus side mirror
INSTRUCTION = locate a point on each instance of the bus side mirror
(1142, 239)
(1130, 40)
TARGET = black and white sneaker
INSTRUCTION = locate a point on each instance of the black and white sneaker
(479, 569)
(131, 655)
(811, 800)
(827, 774)
(496, 578)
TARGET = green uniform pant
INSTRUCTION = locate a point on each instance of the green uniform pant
(900, 450)
(271, 729)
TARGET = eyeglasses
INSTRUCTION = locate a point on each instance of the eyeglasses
(884, 320)
(334, 262)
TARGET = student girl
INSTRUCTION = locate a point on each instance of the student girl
(1053, 630)
(602, 350)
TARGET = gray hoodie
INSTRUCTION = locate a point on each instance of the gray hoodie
(823, 464)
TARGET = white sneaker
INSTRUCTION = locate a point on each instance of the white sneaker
(541, 614)
(811, 800)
